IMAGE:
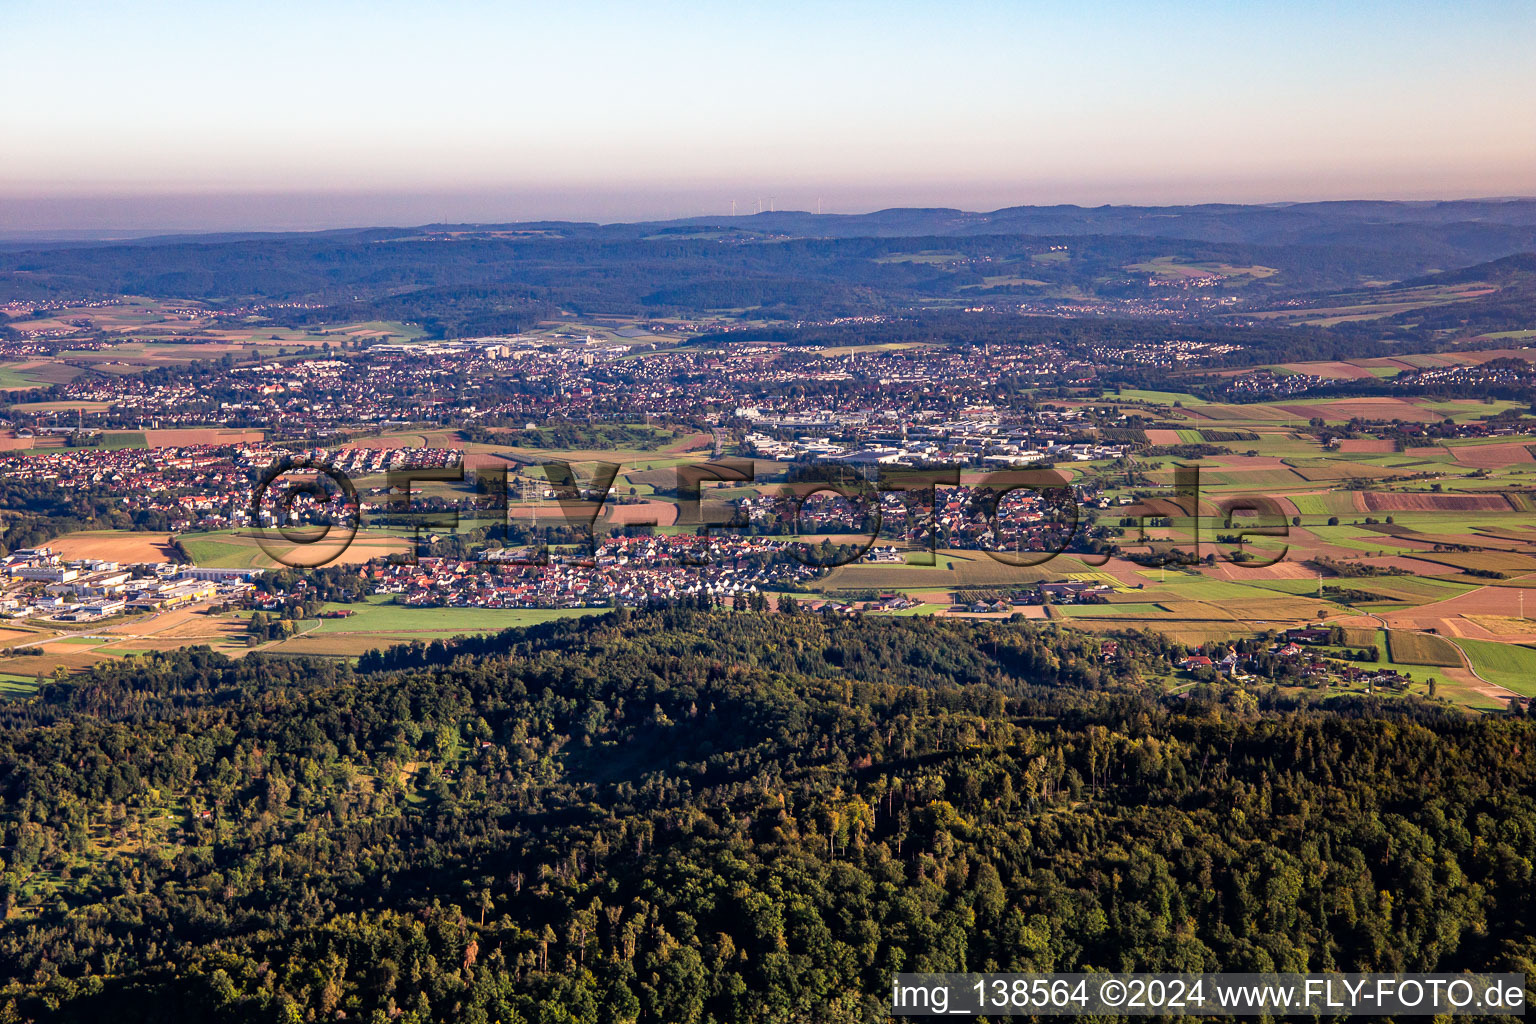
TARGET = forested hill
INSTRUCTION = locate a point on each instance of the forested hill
(468, 279)
(681, 816)
(1360, 225)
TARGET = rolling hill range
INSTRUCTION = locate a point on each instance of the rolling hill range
(465, 279)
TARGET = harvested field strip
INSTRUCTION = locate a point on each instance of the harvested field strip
(1296, 588)
(1271, 608)
(1178, 630)
(1101, 577)
(1235, 413)
(1219, 593)
(1252, 479)
(1421, 649)
(1410, 589)
(1337, 469)
(1481, 561)
(1517, 535)
(1491, 456)
(1503, 625)
(1130, 611)
(1390, 529)
(117, 545)
(1196, 636)
(1401, 501)
(178, 436)
(1180, 609)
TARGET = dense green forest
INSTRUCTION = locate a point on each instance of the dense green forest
(686, 815)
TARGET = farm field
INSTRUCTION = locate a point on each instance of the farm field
(954, 569)
(1509, 665)
(115, 545)
(158, 332)
(1421, 649)
(230, 549)
(1175, 268)
(1410, 589)
(48, 650)
(378, 623)
(1153, 397)
(13, 686)
(1379, 638)
(1119, 611)
(1330, 503)
(1297, 412)
(380, 615)
(374, 624)
(34, 373)
(184, 436)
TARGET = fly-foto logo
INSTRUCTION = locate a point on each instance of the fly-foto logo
(306, 513)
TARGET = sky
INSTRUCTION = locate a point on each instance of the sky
(139, 115)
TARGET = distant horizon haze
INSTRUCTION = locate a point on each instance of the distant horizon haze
(169, 115)
(103, 217)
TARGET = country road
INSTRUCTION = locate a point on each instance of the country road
(1487, 689)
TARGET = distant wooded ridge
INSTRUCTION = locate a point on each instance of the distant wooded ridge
(463, 280)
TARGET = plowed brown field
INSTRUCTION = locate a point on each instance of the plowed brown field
(1398, 501)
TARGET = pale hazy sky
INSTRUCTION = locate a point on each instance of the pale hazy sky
(136, 113)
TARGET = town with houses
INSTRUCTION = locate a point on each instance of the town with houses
(1029, 452)
(1295, 652)
(207, 487)
(511, 380)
